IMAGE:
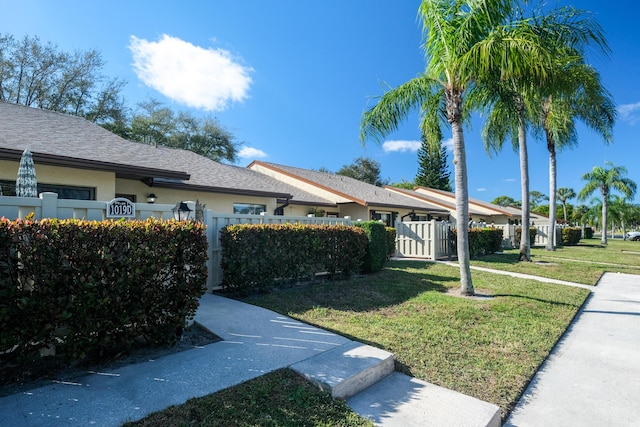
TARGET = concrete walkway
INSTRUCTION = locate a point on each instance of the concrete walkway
(592, 377)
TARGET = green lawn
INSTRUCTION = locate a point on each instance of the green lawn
(281, 398)
(488, 348)
(584, 263)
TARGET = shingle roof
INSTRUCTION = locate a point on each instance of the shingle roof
(61, 139)
(354, 190)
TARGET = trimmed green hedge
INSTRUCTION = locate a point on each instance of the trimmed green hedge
(571, 236)
(588, 233)
(256, 257)
(482, 241)
(533, 231)
(378, 248)
(94, 289)
(391, 241)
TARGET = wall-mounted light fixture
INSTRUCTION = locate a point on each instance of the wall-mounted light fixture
(181, 211)
(151, 198)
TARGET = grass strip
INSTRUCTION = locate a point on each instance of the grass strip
(280, 398)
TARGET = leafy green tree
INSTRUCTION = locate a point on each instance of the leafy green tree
(38, 74)
(506, 201)
(158, 125)
(607, 179)
(363, 169)
(404, 184)
(536, 197)
(465, 42)
(433, 171)
(563, 195)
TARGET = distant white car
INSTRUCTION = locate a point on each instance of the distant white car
(633, 235)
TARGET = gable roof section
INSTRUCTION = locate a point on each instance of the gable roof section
(342, 189)
(478, 207)
(70, 141)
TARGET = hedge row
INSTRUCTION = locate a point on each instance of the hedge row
(533, 231)
(377, 249)
(482, 241)
(257, 257)
(571, 236)
(94, 289)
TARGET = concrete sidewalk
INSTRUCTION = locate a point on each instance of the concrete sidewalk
(592, 377)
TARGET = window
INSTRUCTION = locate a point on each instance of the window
(387, 218)
(64, 191)
(248, 208)
(130, 197)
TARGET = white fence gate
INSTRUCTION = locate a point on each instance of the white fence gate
(423, 239)
(429, 239)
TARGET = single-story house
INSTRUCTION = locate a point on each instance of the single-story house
(350, 197)
(80, 160)
(480, 212)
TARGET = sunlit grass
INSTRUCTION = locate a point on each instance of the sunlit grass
(487, 348)
(584, 263)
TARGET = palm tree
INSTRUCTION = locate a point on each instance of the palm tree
(465, 42)
(605, 180)
(513, 99)
(622, 211)
(571, 91)
(563, 194)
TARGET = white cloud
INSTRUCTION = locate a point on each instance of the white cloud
(249, 152)
(629, 112)
(197, 77)
(448, 143)
(401, 146)
(509, 180)
(481, 189)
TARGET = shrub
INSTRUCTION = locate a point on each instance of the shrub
(377, 249)
(482, 241)
(571, 236)
(391, 241)
(256, 257)
(588, 233)
(94, 289)
(533, 231)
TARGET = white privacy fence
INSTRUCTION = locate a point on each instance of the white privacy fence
(429, 239)
(49, 206)
(423, 239)
(509, 238)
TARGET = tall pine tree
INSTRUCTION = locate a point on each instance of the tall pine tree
(433, 171)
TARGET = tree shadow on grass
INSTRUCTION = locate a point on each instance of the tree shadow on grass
(389, 287)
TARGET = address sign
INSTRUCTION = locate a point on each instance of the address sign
(121, 208)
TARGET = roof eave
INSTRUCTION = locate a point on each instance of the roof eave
(121, 171)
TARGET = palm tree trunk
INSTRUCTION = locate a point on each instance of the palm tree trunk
(551, 240)
(525, 238)
(564, 210)
(605, 203)
(462, 208)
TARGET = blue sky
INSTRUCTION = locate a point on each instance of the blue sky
(291, 78)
